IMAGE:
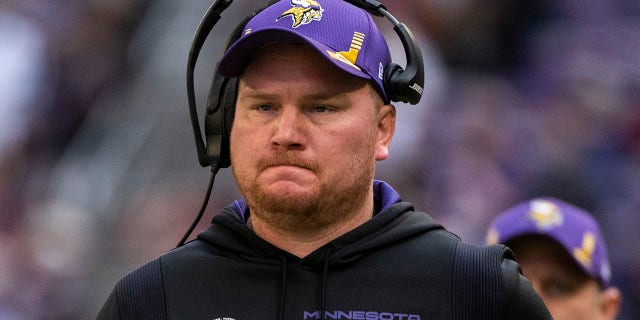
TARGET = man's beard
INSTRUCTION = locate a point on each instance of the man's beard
(334, 201)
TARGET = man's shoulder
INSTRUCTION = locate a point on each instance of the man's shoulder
(148, 276)
(152, 273)
(491, 275)
(138, 295)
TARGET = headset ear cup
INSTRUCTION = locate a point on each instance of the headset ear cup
(228, 101)
(390, 80)
(219, 119)
(405, 84)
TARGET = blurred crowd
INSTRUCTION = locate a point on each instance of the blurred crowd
(99, 171)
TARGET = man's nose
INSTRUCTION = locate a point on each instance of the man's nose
(289, 128)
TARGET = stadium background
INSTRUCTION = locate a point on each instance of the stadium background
(98, 170)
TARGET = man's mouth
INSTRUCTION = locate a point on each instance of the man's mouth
(287, 161)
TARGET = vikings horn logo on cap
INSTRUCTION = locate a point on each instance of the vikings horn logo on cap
(303, 12)
(545, 214)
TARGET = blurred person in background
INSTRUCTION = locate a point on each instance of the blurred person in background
(562, 251)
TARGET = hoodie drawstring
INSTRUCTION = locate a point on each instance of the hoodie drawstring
(323, 289)
(283, 293)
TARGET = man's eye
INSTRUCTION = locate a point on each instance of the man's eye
(559, 289)
(321, 109)
(264, 107)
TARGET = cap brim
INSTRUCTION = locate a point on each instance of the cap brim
(238, 56)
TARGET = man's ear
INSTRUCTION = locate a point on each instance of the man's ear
(611, 299)
(386, 128)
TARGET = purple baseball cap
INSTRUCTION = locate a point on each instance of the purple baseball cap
(341, 32)
(573, 228)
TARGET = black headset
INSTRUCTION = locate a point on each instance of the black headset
(400, 84)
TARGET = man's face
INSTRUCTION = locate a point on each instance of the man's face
(567, 291)
(305, 138)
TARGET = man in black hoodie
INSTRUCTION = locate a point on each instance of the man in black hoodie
(315, 237)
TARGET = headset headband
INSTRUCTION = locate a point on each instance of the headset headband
(401, 84)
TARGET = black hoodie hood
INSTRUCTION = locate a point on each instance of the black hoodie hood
(394, 221)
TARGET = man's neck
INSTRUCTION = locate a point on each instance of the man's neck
(303, 243)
